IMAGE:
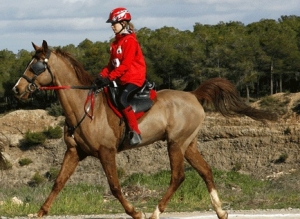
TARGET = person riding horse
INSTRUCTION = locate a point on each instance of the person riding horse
(126, 67)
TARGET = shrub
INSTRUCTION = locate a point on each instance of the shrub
(237, 167)
(5, 164)
(25, 161)
(272, 103)
(296, 107)
(52, 174)
(282, 158)
(121, 173)
(34, 138)
(55, 110)
(53, 133)
(36, 180)
(268, 101)
(287, 131)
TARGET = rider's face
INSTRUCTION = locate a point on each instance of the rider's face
(116, 27)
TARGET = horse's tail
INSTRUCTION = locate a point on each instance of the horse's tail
(223, 95)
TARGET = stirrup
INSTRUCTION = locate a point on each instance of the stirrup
(135, 138)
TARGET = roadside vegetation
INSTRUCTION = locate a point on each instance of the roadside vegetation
(238, 191)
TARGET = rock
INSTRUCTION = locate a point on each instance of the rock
(16, 201)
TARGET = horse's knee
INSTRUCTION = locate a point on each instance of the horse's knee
(177, 180)
(181, 178)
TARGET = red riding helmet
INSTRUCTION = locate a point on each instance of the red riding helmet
(118, 15)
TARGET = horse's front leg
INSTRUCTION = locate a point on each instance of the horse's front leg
(70, 162)
(108, 160)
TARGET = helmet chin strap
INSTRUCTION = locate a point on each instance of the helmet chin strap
(123, 27)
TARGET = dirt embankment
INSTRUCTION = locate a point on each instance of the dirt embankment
(264, 150)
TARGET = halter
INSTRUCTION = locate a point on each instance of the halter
(38, 68)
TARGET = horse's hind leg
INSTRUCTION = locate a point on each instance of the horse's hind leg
(108, 161)
(70, 162)
(195, 159)
(177, 177)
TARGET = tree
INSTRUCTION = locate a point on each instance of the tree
(7, 60)
(277, 40)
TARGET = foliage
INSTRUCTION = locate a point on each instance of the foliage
(296, 107)
(260, 58)
(121, 172)
(55, 110)
(268, 102)
(287, 131)
(282, 158)
(5, 164)
(278, 104)
(52, 174)
(36, 180)
(25, 161)
(34, 138)
(237, 191)
(53, 132)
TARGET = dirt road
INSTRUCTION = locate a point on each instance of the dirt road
(251, 214)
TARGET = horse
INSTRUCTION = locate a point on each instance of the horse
(176, 117)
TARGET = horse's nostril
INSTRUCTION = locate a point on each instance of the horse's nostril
(15, 90)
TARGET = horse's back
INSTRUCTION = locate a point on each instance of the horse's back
(182, 99)
(174, 113)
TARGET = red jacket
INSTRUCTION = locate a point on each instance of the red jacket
(126, 63)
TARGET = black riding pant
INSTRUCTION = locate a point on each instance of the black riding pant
(126, 93)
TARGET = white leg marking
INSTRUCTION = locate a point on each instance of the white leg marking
(216, 203)
(156, 213)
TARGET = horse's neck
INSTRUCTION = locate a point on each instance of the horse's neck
(72, 100)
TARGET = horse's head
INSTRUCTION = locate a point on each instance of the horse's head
(36, 74)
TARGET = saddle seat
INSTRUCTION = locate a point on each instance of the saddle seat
(141, 102)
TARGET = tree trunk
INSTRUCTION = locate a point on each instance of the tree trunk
(271, 79)
(248, 93)
(280, 83)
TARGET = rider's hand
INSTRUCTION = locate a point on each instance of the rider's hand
(101, 81)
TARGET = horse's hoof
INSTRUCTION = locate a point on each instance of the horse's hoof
(139, 215)
(225, 216)
(41, 213)
(144, 216)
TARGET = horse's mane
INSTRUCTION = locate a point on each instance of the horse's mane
(82, 74)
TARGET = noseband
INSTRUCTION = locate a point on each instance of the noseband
(38, 68)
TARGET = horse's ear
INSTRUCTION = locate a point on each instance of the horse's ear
(34, 46)
(45, 46)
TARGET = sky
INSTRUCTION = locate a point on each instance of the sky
(64, 22)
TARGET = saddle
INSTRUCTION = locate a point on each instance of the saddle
(141, 102)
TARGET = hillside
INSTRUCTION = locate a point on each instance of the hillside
(239, 143)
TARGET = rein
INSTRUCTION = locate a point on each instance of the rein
(39, 67)
(67, 87)
(88, 105)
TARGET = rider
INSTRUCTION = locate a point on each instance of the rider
(126, 66)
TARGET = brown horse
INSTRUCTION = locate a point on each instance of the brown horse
(176, 117)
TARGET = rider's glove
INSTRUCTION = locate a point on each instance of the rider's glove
(101, 81)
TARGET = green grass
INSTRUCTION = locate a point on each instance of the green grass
(236, 190)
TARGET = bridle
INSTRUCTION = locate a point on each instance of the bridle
(41, 66)
(38, 68)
